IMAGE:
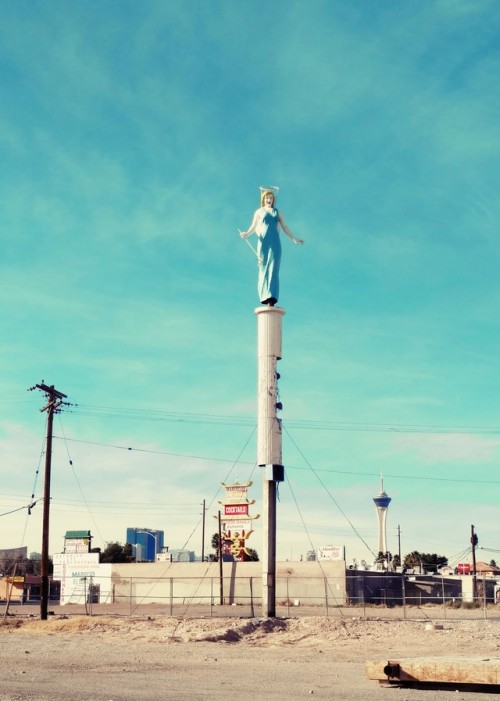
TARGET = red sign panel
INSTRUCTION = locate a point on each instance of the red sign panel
(463, 568)
(235, 509)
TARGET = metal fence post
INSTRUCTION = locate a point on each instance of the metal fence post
(484, 600)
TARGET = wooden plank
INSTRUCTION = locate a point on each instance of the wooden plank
(442, 670)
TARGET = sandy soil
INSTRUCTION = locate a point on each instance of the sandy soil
(104, 658)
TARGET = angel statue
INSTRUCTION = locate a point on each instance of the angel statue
(265, 223)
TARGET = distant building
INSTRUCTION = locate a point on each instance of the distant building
(181, 556)
(485, 570)
(146, 543)
(445, 570)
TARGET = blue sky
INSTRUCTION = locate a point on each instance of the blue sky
(134, 137)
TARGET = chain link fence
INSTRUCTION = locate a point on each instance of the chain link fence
(367, 595)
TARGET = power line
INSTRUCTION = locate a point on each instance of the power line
(191, 456)
(402, 477)
(145, 450)
(353, 527)
(317, 425)
(21, 508)
(308, 535)
(70, 461)
(108, 504)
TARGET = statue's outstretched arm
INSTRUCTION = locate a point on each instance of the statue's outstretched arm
(288, 232)
(252, 227)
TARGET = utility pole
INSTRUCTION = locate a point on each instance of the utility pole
(474, 541)
(399, 544)
(54, 401)
(221, 568)
(203, 534)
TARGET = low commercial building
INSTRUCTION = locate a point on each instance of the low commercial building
(310, 583)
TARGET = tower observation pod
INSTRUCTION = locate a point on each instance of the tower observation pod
(382, 501)
(269, 450)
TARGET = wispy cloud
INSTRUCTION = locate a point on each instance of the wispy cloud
(135, 138)
(451, 447)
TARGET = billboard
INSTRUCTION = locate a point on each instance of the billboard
(331, 552)
(76, 545)
(13, 554)
(82, 577)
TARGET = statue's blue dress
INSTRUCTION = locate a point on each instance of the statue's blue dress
(269, 249)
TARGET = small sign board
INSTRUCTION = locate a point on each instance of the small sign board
(331, 552)
(236, 510)
(76, 545)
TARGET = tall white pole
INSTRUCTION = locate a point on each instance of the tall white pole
(269, 453)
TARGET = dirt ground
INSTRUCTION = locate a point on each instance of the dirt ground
(106, 658)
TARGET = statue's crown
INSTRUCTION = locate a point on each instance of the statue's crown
(273, 188)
